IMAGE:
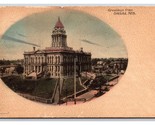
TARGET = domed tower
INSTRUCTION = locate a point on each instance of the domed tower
(59, 35)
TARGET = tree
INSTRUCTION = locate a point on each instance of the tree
(98, 82)
(19, 69)
(2, 70)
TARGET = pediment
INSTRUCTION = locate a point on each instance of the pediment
(39, 51)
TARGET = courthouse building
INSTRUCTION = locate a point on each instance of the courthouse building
(58, 59)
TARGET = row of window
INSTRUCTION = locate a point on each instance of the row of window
(52, 59)
(68, 70)
(84, 58)
(55, 59)
(58, 38)
(51, 68)
(34, 59)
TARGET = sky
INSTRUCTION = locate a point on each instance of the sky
(83, 30)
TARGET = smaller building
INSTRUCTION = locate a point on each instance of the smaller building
(111, 65)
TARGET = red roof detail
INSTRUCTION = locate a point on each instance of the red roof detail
(59, 24)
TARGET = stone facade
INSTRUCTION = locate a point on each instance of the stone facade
(57, 60)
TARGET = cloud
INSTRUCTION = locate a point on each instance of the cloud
(110, 46)
(5, 37)
(87, 41)
(21, 34)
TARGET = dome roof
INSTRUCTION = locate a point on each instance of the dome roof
(59, 24)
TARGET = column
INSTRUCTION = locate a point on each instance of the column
(52, 40)
(58, 41)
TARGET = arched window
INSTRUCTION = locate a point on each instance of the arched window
(36, 59)
(58, 68)
(47, 59)
(58, 59)
(52, 59)
(69, 58)
(64, 59)
(39, 59)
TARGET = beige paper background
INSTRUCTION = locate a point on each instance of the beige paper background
(133, 96)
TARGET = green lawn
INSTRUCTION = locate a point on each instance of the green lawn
(41, 87)
(17, 84)
(68, 87)
(44, 88)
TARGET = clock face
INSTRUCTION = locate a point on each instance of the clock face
(62, 56)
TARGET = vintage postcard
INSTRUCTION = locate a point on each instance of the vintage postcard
(77, 62)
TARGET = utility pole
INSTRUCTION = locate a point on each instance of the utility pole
(59, 90)
(66, 94)
(117, 73)
(60, 86)
(75, 59)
